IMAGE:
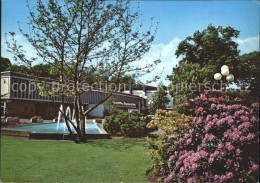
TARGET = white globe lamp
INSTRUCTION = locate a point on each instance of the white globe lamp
(230, 77)
(224, 67)
(217, 76)
(225, 71)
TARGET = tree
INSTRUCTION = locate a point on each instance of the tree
(248, 71)
(206, 51)
(186, 78)
(159, 99)
(129, 46)
(71, 37)
(5, 64)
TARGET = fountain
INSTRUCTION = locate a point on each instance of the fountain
(59, 116)
(52, 131)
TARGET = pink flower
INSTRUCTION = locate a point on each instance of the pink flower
(203, 153)
(223, 153)
(216, 177)
(238, 151)
(229, 161)
(220, 145)
(171, 158)
(189, 141)
(236, 164)
(181, 175)
(211, 160)
(182, 169)
(255, 167)
(250, 136)
(194, 166)
(198, 110)
(189, 180)
(229, 175)
(242, 139)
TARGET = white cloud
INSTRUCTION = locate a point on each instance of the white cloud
(249, 44)
(166, 52)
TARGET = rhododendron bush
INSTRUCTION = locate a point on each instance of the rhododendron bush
(221, 144)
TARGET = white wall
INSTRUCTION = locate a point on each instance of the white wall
(5, 87)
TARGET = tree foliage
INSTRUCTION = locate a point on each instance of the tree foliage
(203, 54)
(5, 64)
(159, 99)
(248, 71)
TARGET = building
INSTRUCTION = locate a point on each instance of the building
(147, 92)
(21, 97)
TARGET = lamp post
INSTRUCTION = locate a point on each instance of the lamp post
(224, 72)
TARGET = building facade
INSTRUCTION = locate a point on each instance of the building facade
(147, 93)
(21, 97)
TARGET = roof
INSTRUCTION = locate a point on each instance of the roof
(146, 87)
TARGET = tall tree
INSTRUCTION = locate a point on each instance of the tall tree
(186, 78)
(206, 51)
(159, 99)
(248, 71)
(71, 36)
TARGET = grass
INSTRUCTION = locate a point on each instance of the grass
(114, 160)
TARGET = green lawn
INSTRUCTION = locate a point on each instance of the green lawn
(115, 160)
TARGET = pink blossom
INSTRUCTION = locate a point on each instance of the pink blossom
(223, 153)
(229, 161)
(181, 175)
(189, 141)
(198, 110)
(211, 160)
(171, 158)
(255, 167)
(216, 177)
(250, 136)
(203, 153)
(238, 151)
(194, 166)
(229, 175)
(236, 164)
(220, 145)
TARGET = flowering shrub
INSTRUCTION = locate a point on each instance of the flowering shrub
(171, 122)
(201, 104)
(220, 146)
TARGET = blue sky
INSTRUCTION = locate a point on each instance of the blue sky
(177, 20)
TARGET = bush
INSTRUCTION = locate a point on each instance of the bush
(127, 124)
(113, 122)
(220, 146)
(171, 122)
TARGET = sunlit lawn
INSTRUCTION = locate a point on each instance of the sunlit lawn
(114, 160)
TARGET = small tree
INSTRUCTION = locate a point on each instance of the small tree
(159, 99)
